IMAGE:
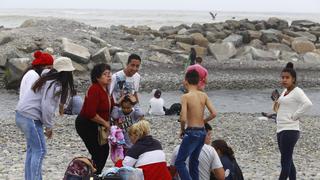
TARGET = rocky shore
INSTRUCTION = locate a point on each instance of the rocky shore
(230, 50)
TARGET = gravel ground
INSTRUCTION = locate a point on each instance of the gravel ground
(253, 140)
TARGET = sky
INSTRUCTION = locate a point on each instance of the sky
(295, 6)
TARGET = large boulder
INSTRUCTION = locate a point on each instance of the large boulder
(14, 70)
(245, 24)
(184, 39)
(4, 39)
(199, 39)
(102, 56)
(133, 31)
(259, 54)
(215, 36)
(76, 52)
(301, 45)
(113, 50)
(285, 39)
(3, 59)
(278, 46)
(311, 37)
(121, 57)
(182, 31)
(98, 40)
(276, 23)
(289, 56)
(260, 25)
(246, 38)
(307, 35)
(166, 28)
(233, 24)
(254, 34)
(290, 33)
(161, 58)
(192, 31)
(303, 23)
(169, 32)
(197, 26)
(222, 51)
(116, 67)
(182, 26)
(256, 43)
(270, 36)
(181, 58)
(311, 57)
(79, 69)
(235, 39)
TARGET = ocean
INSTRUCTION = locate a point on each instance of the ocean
(11, 18)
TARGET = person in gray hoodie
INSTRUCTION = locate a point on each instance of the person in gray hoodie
(36, 110)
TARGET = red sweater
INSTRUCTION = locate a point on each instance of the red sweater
(96, 102)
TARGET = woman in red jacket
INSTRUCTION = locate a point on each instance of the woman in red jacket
(96, 111)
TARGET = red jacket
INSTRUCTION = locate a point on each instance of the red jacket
(97, 101)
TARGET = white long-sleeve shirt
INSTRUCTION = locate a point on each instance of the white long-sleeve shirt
(291, 108)
(27, 82)
(156, 106)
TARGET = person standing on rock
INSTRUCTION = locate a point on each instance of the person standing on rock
(192, 58)
(203, 73)
(36, 109)
(32, 74)
(127, 81)
(293, 103)
(193, 105)
(96, 112)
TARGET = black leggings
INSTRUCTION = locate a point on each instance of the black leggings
(286, 141)
(88, 131)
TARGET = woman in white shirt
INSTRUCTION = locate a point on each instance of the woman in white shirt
(156, 104)
(293, 103)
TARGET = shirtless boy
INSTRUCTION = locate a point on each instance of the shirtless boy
(192, 113)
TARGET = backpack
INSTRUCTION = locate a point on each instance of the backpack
(124, 173)
(80, 168)
(174, 109)
(237, 175)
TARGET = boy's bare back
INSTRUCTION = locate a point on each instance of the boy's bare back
(193, 105)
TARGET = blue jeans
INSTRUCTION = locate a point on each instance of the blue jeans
(286, 141)
(191, 145)
(36, 146)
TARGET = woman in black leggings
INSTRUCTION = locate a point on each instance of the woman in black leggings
(96, 112)
(293, 103)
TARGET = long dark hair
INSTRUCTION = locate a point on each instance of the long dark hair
(192, 56)
(289, 69)
(223, 147)
(65, 78)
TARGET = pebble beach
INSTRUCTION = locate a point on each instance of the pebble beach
(253, 140)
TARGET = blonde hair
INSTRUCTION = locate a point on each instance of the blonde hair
(139, 129)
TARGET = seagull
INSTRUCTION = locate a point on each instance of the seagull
(213, 15)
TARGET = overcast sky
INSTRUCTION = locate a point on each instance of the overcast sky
(303, 6)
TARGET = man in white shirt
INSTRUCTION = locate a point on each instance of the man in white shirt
(126, 81)
(209, 160)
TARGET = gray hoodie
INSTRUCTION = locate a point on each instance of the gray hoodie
(40, 105)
